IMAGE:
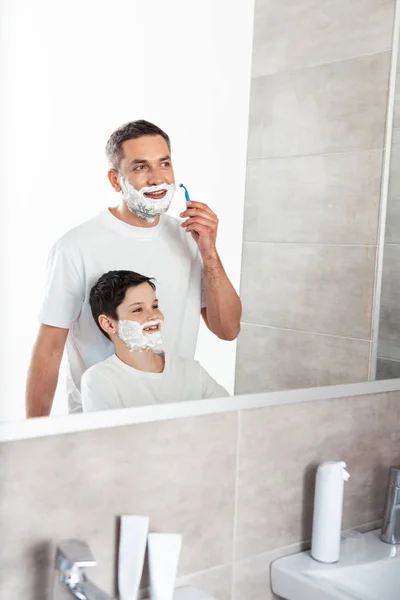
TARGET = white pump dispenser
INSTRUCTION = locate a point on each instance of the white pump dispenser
(328, 508)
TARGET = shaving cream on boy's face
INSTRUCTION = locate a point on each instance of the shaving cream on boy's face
(144, 207)
(135, 338)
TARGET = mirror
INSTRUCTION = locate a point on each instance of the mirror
(316, 191)
(387, 343)
(71, 75)
(288, 174)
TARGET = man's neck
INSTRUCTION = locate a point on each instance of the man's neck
(123, 213)
(145, 360)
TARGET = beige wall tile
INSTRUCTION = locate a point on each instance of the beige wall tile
(395, 428)
(251, 579)
(389, 319)
(300, 33)
(396, 116)
(77, 485)
(280, 448)
(316, 288)
(392, 232)
(277, 359)
(330, 199)
(387, 368)
(329, 108)
(216, 582)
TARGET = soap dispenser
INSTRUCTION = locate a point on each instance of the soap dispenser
(328, 508)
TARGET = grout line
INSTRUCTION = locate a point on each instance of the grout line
(203, 571)
(392, 244)
(236, 505)
(323, 64)
(396, 360)
(376, 300)
(341, 337)
(295, 548)
(314, 154)
(323, 244)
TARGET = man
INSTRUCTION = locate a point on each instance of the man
(136, 235)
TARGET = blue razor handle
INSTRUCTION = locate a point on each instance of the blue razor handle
(187, 197)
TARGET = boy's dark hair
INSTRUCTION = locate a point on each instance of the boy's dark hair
(109, 292)
(130, 131)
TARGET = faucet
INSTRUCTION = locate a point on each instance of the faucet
(72, 558)
(391, 521)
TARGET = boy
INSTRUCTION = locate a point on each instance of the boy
(125, 308)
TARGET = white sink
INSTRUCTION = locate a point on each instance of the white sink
(368, 569)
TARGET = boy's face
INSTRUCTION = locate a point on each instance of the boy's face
(140, 304)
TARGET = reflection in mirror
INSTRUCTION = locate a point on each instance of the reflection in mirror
(56, 193)
(309, 197)
(91, 304)
(314, 189)
(388, 338)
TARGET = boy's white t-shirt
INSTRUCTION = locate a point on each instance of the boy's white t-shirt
(105, 243)
(114, 384)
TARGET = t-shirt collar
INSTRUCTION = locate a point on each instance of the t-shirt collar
(144, 233)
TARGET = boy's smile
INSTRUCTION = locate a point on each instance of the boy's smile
(152, 328)
(141, 305)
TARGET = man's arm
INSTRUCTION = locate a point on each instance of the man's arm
(43, 370)
(223, 307)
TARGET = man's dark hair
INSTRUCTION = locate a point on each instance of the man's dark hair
(130, 131)
(109, 292)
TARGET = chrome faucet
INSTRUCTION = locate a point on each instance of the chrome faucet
(72, 558)
(391, 519)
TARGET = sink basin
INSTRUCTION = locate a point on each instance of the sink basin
(368, 569)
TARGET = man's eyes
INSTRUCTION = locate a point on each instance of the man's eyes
(139, 168)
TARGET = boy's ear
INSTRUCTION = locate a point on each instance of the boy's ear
(107, 324)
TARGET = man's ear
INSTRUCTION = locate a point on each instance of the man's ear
(107, 325)
(113, 179)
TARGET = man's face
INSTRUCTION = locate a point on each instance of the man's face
(147, 162)
(141, 305)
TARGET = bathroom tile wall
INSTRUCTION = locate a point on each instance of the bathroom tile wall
(316, 131)
(388, 364)
(238, 486)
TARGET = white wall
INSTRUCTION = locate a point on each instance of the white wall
(70, 74)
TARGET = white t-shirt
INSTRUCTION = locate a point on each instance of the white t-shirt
(114, 384)
(104, 243)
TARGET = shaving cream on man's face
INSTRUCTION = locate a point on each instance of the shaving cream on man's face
(144, 207)
(133, 336)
